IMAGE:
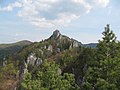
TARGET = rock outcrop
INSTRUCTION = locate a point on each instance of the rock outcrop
(31, 60)
(4, 62)
(74, 43)
(56, 34)
(50, 48)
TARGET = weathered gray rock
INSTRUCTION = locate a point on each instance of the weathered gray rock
(38, 61)
(50, 48)
(31, 60)
(41, 51)
(25, 69)
(4, 62)
(74, 44)
(45, 47)
(58, 50)
(56, 34)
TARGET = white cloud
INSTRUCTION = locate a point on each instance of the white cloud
(51, 13)
(102, 3)
(85, 4)
(10, 7)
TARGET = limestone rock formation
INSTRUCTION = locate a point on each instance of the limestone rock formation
(4, 62)
(33, 60)
(56, 34)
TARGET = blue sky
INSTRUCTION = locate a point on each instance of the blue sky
(35, 20)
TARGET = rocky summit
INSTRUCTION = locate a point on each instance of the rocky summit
(56, 34)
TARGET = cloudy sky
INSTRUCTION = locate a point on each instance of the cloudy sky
(35, 20)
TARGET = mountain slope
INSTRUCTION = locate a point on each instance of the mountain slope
(68, 53)
(51, 46)
(9, 49)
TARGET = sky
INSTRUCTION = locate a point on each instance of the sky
(35, 20)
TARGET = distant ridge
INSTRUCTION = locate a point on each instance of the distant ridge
(90, 45)
(9, 49)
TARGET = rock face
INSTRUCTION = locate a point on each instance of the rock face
(25, 69)
(74, 44)
(56, 34)
(4, 62)
(50, 48)
(58, 42)
(33, 60)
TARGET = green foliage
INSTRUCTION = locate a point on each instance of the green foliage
(8, 72)
(48, 77)
(64, 68)
(105, 74)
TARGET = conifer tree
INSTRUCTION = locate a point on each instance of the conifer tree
(105, 75)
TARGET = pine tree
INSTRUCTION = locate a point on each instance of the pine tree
(106, 74)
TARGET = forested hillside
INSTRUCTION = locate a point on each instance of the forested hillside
(63, 63)
(9, 49)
